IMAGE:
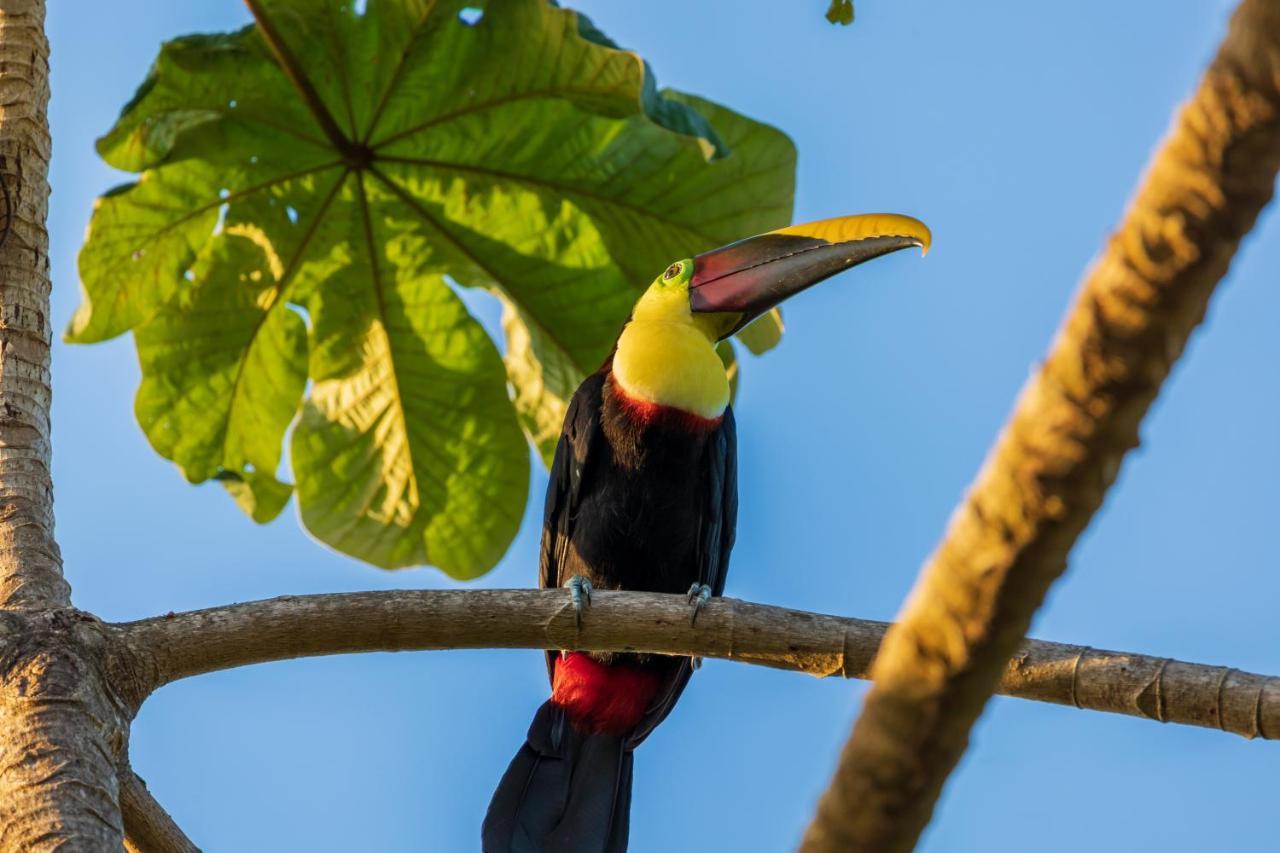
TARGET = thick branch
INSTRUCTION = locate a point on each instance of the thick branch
(147, 826)
(1061, 448)
(170, 647)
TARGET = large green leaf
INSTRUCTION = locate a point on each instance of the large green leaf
(313, 187)
(223, 369)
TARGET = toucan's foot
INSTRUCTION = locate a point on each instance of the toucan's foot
(579, 591)
(699, 595)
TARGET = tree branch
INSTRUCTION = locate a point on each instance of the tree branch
(1062, 447)
(176, 646)
(147, 826)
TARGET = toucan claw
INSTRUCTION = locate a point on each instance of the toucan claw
(579, 591)
(699, 595)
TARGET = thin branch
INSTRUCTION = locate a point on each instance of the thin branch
(180, 645)
(147, 826)
(1061, 448)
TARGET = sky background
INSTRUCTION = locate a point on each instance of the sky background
(1017, 131)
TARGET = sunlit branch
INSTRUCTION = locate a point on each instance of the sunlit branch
(1061, 448)
(186, 644)
(147, 826)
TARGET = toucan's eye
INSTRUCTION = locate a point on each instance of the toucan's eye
(672, 271)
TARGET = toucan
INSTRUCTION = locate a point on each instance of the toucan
(643, 496)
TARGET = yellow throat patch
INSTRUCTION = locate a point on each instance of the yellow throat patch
(667, 355)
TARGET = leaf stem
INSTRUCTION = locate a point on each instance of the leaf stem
(356, 156)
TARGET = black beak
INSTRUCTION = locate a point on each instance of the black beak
(749, 277)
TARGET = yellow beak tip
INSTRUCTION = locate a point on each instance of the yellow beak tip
(849, 228)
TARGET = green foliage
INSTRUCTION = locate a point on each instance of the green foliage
(312, 191)
(840, 12)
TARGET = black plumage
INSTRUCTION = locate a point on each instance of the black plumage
(644, 497)
(641, 498)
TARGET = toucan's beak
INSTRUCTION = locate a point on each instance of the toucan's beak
(751, 276)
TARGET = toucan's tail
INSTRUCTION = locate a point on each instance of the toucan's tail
(565, 792)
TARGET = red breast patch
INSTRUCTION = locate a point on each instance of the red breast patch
(647, 413)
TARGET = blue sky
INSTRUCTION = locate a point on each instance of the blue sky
(1017, 132)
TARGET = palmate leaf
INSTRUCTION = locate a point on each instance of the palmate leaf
(314, 186)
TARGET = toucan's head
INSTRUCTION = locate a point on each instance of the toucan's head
(726, 288)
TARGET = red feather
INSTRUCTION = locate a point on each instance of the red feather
(600, 698)
(647, 412)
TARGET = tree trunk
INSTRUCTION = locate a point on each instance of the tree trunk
(63, 732)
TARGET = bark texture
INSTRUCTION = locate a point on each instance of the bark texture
(158, 651)
(30, 565)
(1061, 448)
(62, 730)
(62, 736)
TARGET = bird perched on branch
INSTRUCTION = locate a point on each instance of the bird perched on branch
(643, 496)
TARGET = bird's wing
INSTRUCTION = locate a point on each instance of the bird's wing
(722, 500)
(580, 434)
(715, 541)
